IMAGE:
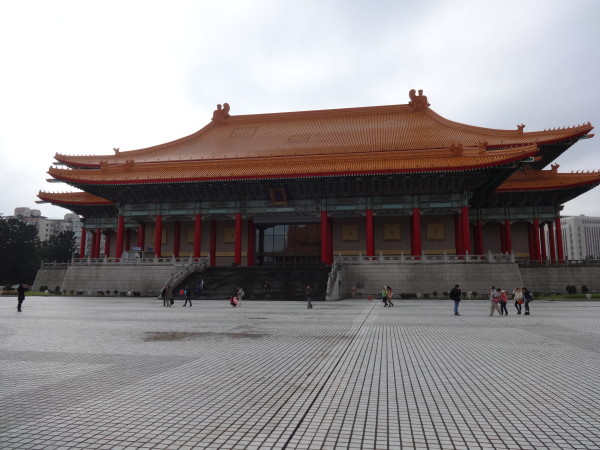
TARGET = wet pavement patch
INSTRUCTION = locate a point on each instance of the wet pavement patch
(183, 335)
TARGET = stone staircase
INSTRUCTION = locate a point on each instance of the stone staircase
(287, 283)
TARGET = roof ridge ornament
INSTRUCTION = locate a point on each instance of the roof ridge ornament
(418, 102)
(456, 149)
(520, 128)
(221, 113)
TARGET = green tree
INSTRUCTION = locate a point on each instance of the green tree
(19, 251)
(59, 248)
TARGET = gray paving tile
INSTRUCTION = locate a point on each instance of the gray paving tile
(126, 373)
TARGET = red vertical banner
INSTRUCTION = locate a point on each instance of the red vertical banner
(370, 233)
(197, 235)
(158, 237)
(82, 243)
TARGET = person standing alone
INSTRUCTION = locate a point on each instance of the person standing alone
(308, 295)
(20, 297)
(455, 294)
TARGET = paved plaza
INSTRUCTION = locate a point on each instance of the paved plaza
(128, 373)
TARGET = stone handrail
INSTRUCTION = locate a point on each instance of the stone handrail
(332, 279)
(187, 270)
(428, 259)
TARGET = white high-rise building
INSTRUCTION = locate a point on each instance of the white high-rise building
(581, 237)
(49, 227)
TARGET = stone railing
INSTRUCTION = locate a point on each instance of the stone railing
(332, 291)
(134, 261)
(185, 271)
(428, 259)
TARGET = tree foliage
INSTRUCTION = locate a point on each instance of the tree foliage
(19, 251)
(59, 248)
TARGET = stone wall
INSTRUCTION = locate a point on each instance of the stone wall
(147, 279)
(555, 279)
(413, 278)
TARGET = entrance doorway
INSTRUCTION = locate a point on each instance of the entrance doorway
(295, 244)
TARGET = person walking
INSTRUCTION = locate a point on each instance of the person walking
(169, 295)
(240, 295)
(494, 300)
(20, 297)
(503, 302)
(518, 297)
(308, 295)
(188, 296)
(384, 298)
(455, 294)
(389, 294)
(163, 295)
(267, 288)
(528, 299)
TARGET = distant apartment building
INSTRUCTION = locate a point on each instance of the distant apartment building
(581, 237)
(49, 227)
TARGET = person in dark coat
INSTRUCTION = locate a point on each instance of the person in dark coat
(455, 294)
(308, 295)
(20, 297)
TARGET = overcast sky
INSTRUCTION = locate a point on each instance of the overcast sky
(81, 77)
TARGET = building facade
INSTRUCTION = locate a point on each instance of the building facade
(304, 187)
(581, 237)
(49, 227)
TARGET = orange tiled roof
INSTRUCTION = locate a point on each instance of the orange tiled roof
(331, 132)
(415, 161)
(73, 198)
(542, 180)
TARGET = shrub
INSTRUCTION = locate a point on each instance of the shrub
(474, 294)
(571, 289)
(116, 291)
(72, 291)
(57, 290)
(584, 289)
(43, 288)
(445, 294)
(536, 294)
(435, 294)
(464, 294)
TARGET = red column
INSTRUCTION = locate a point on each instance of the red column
(329, 241)
(458, 235)
(479, 237)
(508, 236)
(197, 235)
(415, 232)
(552, 242)
(559, 242)
(176, 238)
(141, 237)
(96, 243)
(237, 258)
(120, 233)
(158, 237)
(466, 230)
(107, 243)
(324, 238)
(251, 242)
(82, 243)
(544, 255)
(213, 243)
(370, 234)
(502, 238)
(536, 239)
(127, 240)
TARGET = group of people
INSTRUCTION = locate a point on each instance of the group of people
(498, 300)
(237, 297)
(386, 296)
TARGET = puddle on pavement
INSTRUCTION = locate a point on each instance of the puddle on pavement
(182, 335)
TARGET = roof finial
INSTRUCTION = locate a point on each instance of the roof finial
(520, 128)
(419, 102)
(221, 113)
(116, 150)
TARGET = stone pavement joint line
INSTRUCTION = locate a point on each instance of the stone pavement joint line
(127, 373)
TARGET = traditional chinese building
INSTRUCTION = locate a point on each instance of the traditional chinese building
(304, 187)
